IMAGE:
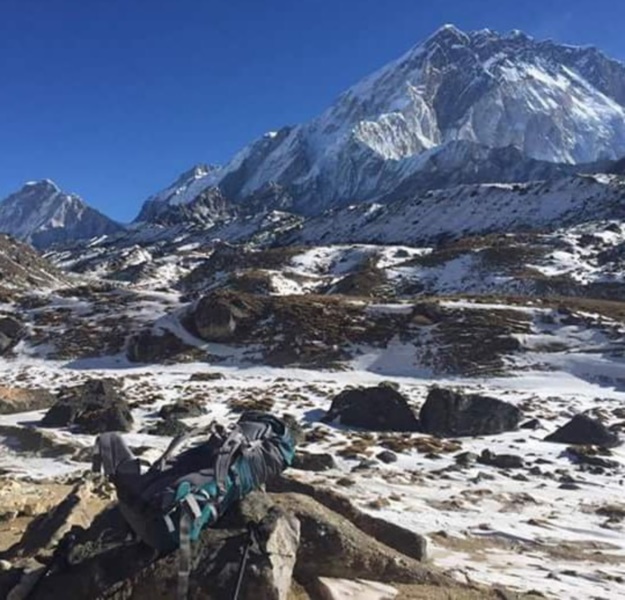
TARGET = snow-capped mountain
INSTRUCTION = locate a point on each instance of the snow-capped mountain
(458, 108)
(41, 214)
(189, 186)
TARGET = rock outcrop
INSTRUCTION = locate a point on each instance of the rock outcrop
(93, 407)
(584, 430)
(447, 413)
(17, 400)
(378, 408)
(149, 346)
(11, 332)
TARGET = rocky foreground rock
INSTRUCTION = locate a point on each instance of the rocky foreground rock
(301, 549)
(378, 408)
(448, 413)
(93, 407)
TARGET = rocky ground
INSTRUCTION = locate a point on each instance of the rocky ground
(507, 509)
(473, 492)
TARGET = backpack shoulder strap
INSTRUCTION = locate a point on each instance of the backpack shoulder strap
(178, 441)
(231, 445)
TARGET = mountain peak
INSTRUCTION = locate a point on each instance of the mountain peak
(43, 185)
(42, 214)
(448, 34)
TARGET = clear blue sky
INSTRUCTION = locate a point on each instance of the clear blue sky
(112, 99)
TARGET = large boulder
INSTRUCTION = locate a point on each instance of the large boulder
(447, 413)
(32, 440)
(183, 409)
(102, 563)
(333, 546)
(584, 430)
(221, 316)
(168, 428)
(404, 541)
(150, 346)
(11, 332)
(378, 408)
(93, 407)
(16, 400)
(295, 535)
(313, 461)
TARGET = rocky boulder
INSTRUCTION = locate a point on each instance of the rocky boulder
(182, 409)
(222, 316)
(502, 461)
(394, 536)
(150, 346)
(313, 461)
(31, 440)
(334, 547)
(447, 413)
(378, 408)
(168, 428)
(17, 400)
(11, 332)
(584, 430)
(93, 407)
(206, 376)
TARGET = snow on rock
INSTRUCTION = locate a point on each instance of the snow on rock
(470, 210)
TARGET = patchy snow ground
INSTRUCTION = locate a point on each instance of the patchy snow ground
(519, 527)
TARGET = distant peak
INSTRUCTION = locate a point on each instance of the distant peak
(518, 34)
(198, 171)
(449, 27)
(43, 184)
(448, 33)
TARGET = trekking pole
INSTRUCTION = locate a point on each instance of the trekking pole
(251, 538)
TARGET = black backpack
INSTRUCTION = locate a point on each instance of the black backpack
(180, 494)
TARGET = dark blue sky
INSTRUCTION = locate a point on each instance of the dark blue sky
(112, 99)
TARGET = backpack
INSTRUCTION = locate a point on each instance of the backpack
(180, 494)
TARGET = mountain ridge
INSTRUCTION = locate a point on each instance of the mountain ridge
(454, 87)
(457, 108)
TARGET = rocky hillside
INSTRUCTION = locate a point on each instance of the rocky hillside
(23, 269)
(543, 238)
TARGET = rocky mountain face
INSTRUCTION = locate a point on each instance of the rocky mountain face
(459, 108)
(42, 215)
(190, 186)
(22, 269)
